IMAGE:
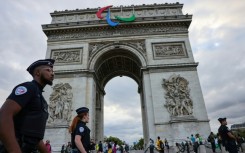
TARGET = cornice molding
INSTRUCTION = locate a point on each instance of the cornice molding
(186, 19)
(121, 31)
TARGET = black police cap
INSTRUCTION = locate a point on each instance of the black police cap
(82, 110)
(47, 62)
(221, 119)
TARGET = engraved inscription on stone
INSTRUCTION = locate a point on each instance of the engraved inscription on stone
(60, 102)
(177, 95)
(168, 50)
(66, 56)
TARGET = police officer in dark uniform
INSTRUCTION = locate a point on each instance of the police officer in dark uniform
(24, 114)
(228, 139)
(80, 133)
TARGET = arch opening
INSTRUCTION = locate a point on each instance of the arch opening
(117, 62)
(122, 110)
(109, 65)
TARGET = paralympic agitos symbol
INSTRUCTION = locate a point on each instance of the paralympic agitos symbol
(108, 19)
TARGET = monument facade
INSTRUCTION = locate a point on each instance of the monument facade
(153, 49)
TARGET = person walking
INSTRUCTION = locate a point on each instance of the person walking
(100, 150)
(196, 143)
(24, 114)
(228, 139)
(240, 141)
(151, 146)
(109, 147)
(160, 145)
(193, 139)
(63, 148)
(219, 141)
(48, 146)
(80, 132)
(211, 139)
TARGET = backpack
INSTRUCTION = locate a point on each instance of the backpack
(161, 145)
(209, 140)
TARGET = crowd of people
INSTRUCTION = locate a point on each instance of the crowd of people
(231, 143)
(105, 147)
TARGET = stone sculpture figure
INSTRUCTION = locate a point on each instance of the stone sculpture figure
(60, 104)
(178, 101)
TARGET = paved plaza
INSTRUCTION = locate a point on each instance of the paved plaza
(172, 150)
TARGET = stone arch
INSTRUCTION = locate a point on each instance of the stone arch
(110, 47)
(128, 59)
(111, 61)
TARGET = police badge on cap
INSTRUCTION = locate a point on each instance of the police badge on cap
(47, 62)
(82, 110)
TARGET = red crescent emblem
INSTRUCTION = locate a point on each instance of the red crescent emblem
(101, 10)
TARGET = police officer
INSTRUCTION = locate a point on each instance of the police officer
(24, 114)
(80, 133)
(228, 139)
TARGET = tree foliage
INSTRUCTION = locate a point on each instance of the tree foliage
(114, 139)
(139, 145)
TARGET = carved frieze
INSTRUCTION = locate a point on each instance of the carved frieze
(67, 56)
(177, 95)
(134, 31)
(169, 50)
(60, 102)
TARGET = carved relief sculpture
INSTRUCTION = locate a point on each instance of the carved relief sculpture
(178, 101)
(60, 104)
(67, 55)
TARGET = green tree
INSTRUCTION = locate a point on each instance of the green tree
(139, 145)
(114, 139)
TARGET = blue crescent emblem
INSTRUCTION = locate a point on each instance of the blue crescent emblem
(111, 23)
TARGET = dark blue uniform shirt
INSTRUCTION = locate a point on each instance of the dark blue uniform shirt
(82, 130)
(31, 120)
(228, 142)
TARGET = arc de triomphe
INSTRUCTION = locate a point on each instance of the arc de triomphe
(154, 50)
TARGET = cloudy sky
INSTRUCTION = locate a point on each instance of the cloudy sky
(217, 36)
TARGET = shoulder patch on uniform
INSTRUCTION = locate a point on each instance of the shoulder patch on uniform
(81, 129)
(20, 90)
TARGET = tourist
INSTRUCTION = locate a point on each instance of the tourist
(48, 146)
(211, 139)
(160, 145)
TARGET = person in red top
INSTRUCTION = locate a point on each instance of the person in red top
(48, 146)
